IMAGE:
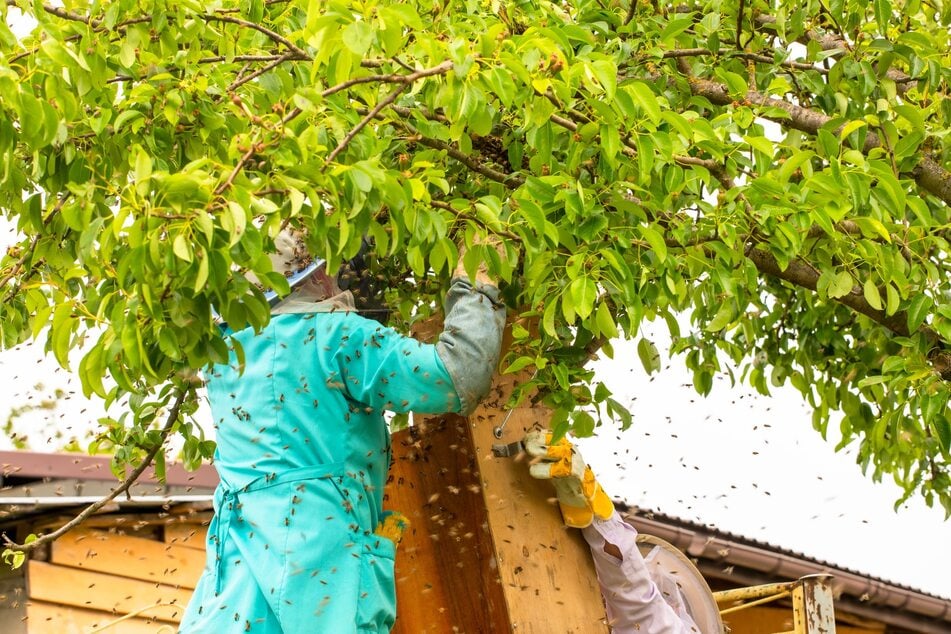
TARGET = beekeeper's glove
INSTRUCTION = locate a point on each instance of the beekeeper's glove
(392, 526)
(580, 496)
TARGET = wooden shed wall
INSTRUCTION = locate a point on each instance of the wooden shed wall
(93, 577)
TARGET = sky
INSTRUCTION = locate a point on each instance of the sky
(753, 466)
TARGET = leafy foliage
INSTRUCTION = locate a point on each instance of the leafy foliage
(774, 170)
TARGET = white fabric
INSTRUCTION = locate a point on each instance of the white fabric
(634, 603)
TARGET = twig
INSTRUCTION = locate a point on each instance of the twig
(404, 80)
(243, 80)
(757, 57)
(298, 52)
(29, 251)
(228, 182)
(393, 78)
(438, 204)
(241, 58)
(631, 10)
(390, 98)
(739, 22)
(119, 490)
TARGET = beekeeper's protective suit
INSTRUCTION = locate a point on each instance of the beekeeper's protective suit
(303, 452)
(636, 601)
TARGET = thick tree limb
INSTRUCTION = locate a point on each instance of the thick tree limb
(799, 273)
(929, 174)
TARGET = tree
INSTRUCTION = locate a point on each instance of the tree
(775, 172)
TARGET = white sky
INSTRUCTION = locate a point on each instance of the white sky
(753, 466)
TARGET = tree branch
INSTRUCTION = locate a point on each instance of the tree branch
(243, 80)
(929, 174)
(237, 169)
(390, 98)
(511, 181)
(298, 53)
(756, 57)
(438, 204)
(835, 42)
(800, 273)
(393, 78)
(119, 490)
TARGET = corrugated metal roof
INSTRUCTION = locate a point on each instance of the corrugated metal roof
(675, 521)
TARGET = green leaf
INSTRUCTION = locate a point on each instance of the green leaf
(676, 26)
(181, 248)
(647, 353)
(584, 292)
(519, 364)
(841, 285)
(655, 240)
(143, 172)
(723, 318)
(918, 311)
(942, 427)
(872, 296)
(760, 144)
(61, 331)
(582, 424)
(871, 228)
(605, 322)
(734, 82)
(605, 71)
(849, 128)
(358, 37)
(646, 100)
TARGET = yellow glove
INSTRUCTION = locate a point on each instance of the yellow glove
(580, 497)
(392, 526)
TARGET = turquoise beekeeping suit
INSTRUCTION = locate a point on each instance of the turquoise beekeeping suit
(303, 452)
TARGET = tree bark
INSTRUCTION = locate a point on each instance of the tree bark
(929, 174)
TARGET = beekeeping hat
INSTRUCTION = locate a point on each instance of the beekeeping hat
(291, 259)
(681, 584)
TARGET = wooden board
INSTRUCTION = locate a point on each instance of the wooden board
(124, 556)
(545, 569)
(99, 591)
(488, 551)
(188, 535)
(49, 618)
(13, 599)
(779, 619)
(444, 567)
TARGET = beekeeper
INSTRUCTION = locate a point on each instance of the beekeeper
(298, 542)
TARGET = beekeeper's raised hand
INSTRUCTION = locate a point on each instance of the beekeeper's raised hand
(580, 496)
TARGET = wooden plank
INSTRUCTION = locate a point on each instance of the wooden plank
(124, 556)
(99, 591)
(780, 619)
(13, 599)
(49, 618)
(445, 565)
(545, 569)
(488, 550)
(188, 535)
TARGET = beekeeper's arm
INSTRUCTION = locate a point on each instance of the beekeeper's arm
(632, 600)
(387, 370)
